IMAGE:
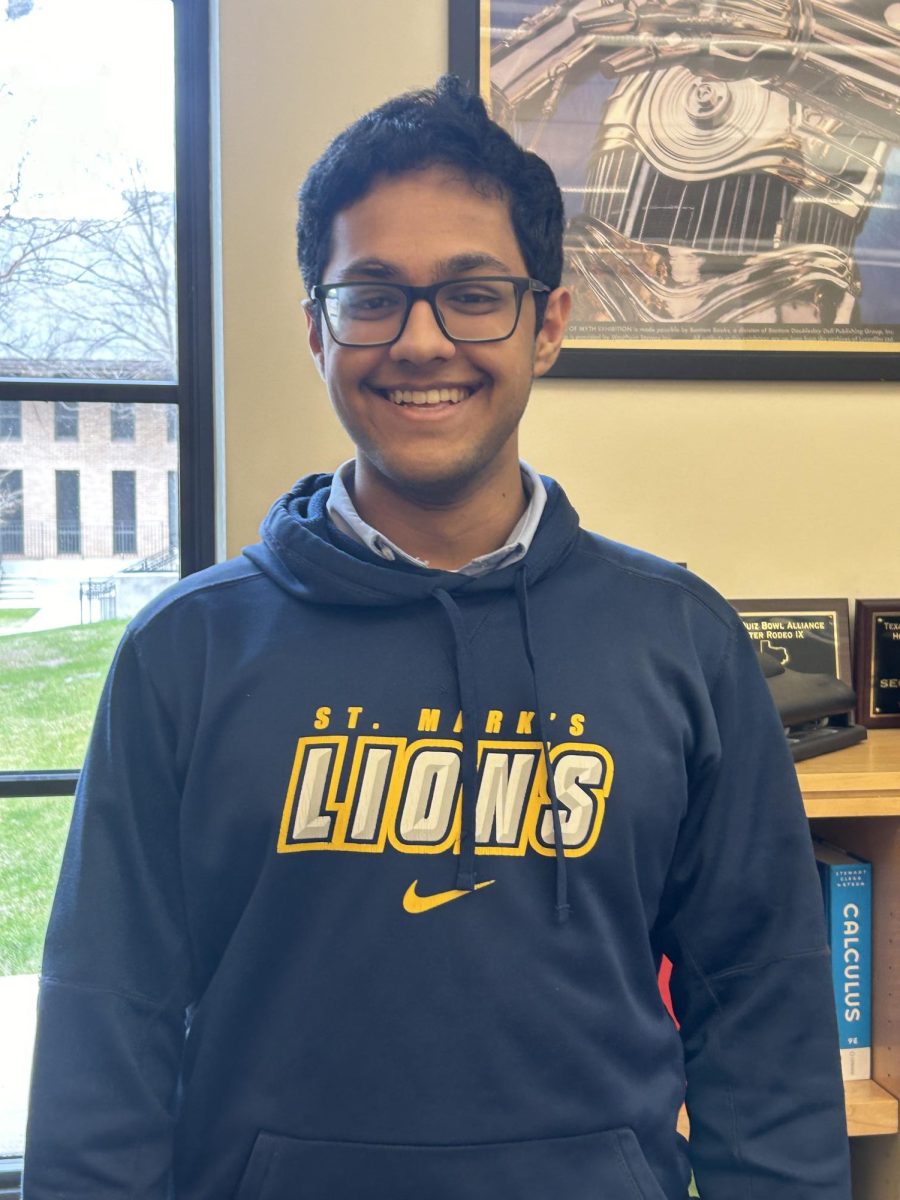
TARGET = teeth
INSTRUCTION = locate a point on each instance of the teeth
(445, 395)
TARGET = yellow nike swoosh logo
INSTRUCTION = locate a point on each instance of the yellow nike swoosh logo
(414, 903)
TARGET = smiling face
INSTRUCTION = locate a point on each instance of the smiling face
(432, 420)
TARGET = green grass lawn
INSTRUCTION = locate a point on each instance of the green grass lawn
(10, 618)
(50, 682)
(31, 846)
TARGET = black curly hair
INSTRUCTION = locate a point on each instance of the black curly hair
(444, 125)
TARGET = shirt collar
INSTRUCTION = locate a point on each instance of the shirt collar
(343, 514)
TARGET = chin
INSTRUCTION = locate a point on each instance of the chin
(425, 485)
(436, 481)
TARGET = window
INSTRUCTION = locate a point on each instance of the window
(121, 422)
(65, 420)
(110, 310)
(12, 523)
(10, 421)
(124, 513)
(68, 512)
(172, 487)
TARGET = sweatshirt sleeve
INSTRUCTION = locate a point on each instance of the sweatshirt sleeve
(743, 922)
(116, 973)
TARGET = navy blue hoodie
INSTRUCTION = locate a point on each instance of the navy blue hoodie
(332, 925)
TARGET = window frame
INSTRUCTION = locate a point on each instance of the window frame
(192, 394)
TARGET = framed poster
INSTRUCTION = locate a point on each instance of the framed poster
(731, 176)
(876, 662)
(809, 636)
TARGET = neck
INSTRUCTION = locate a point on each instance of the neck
(446, 532)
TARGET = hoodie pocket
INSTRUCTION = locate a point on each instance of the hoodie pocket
(608, 1165)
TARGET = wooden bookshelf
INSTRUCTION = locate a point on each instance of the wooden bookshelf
(852, 798)
(871, 1110)
(862, 781)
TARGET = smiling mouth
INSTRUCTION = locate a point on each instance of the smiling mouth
(427, 397)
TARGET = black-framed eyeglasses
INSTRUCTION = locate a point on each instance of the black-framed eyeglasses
(482, 308)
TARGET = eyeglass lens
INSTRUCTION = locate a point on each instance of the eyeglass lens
(473, 310)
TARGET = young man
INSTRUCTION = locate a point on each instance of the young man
(386, 825)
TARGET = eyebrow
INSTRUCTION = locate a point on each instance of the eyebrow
(369, 268)
(447, 268)
(459, 264)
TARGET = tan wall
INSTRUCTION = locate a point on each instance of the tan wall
(765, 489)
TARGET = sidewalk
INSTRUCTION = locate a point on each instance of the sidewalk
(18, 1001)
(53, 614)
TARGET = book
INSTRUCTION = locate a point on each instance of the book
(847, 891)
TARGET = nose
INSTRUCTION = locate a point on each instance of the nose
(422, 339)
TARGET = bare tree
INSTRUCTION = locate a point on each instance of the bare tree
(131, 278)
(26, 245)
(98, 291)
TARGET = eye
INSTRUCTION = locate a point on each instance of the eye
(367, 303)
(474, 297)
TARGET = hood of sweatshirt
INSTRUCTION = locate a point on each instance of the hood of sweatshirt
(303, 552)
(308, 557)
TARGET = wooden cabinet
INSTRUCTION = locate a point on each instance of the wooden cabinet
(852, 798)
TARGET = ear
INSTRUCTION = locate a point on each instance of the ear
(316, 349)
(552, 332)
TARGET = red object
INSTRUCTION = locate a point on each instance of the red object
(665, 973)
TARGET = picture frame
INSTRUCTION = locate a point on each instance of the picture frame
(810, 636)
(720, 224)
(876, 661)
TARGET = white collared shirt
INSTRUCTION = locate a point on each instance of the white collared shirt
(343, 514)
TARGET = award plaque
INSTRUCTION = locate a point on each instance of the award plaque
(876, 657)
(804, 652)
(810, 636)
